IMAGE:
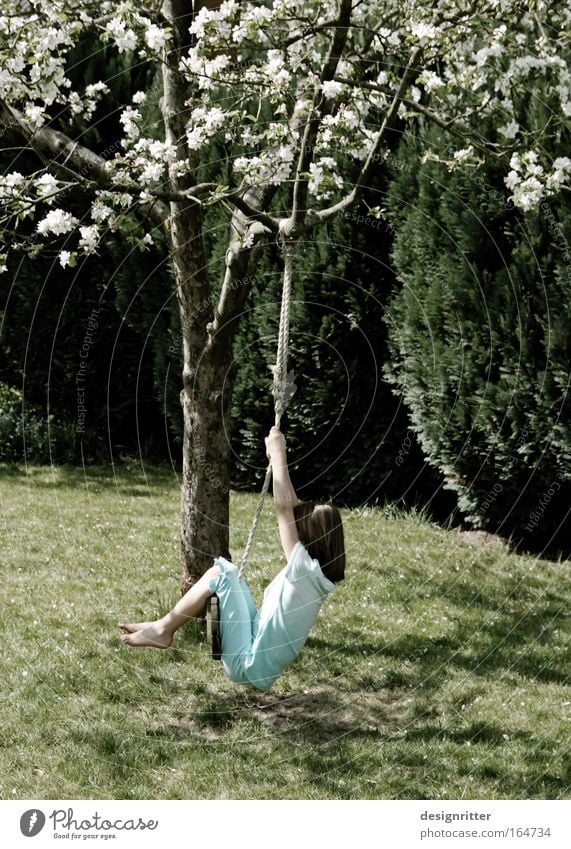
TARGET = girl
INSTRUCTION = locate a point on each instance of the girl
(257, 645)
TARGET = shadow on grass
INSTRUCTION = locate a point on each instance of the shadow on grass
(321, 715)
(519, 642)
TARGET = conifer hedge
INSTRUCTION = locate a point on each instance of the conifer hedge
(479, 331)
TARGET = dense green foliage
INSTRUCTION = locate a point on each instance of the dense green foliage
(344, 428)
(480, 340)
(81, 346)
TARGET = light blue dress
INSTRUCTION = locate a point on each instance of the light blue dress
(258, 645)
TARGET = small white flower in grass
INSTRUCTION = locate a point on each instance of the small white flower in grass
(24, 673)
(148, 239)
(57, 222)
(64, 258)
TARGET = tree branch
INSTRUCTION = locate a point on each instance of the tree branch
(240, 202)
(86, 167)
(390, 116)
(241, 262)
(318, 111)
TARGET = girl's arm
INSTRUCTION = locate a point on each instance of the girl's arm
(285, 497)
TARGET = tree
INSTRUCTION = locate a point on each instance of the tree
(285, 85)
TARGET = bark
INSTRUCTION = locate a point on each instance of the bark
(207, 333)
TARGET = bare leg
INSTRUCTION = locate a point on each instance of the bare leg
(159, 634)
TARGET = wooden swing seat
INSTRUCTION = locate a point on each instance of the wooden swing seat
(213, 627)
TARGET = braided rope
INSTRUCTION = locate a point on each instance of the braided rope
(279, 390)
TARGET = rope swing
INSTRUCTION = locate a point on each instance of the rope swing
(279, 390)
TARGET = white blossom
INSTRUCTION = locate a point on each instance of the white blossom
(248, 59)
(100, 212)
(57, 221)
(560, 174)
(422, 30)
(34, 114)
(528, 193)
(331, 89)
(155, 37)
(124, 39)
(64, 258)
(89, 238)
(512, 179)
(46, 185)
(510, 130)
(203, 124)
(130, 119)
(96, 89)
(325, 177)
(429, 79)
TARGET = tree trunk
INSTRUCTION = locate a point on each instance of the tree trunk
(205, 476)
(204, 490)
(207, 333)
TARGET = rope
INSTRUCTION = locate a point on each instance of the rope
(279, 391)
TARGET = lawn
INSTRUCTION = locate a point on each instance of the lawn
(437, 670)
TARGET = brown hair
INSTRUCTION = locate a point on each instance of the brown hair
(320, 530)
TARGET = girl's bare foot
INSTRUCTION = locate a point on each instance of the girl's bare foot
(132, 627)
(154, 635)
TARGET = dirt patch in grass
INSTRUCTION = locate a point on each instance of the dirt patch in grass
(483, 539)
(321, 714)
(327, 713)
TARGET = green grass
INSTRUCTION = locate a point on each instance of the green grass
(436, 671)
